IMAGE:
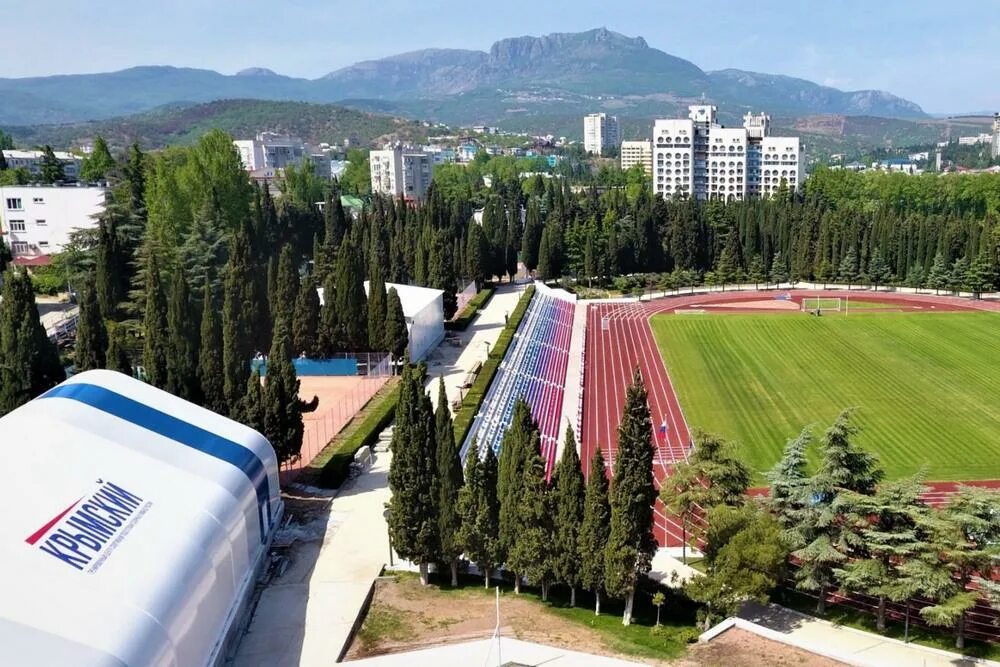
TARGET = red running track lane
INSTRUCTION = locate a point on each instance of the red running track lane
(619, 339)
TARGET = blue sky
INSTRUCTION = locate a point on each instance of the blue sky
(940, 55)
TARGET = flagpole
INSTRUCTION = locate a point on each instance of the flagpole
(499, 657)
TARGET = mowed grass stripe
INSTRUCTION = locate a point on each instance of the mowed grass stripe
(926, 385)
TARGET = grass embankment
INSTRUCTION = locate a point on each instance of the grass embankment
(926, 385)
(477, 392)
(332, 465)
(405, 613)
(462, 321)
(939, 638)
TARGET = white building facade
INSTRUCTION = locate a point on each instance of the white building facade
(995, 145)
(269, 150)
(637, 152)
(697, 157)
(32, 161)
(36, 221)
(600, 132)
(401, 171)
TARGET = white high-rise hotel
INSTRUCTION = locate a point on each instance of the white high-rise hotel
(600, 132)
(697, 157)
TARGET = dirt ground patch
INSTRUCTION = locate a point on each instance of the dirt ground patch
(739, 648)
(405, 616)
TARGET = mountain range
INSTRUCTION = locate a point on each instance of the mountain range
(520, 82)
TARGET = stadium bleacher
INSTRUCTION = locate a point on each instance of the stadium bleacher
(535, 368)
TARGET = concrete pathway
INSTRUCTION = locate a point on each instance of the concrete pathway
(489, 652)
(853, 647)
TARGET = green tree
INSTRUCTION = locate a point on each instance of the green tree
(305, 324)
(878, 270)
(479, 508)
(515, 456)
(376, 309)
(546, 267)
(531, 549)
(29, 361)
(789, 482)
(396, 335)
(631, 546)
(91, 334)
(253, 404)
(779, 270)
(532, 235)
(568, 490)
(938, 275)
(449, 475)
(959, 274)
(755, 272)
(328, 337)
(182, 342)
(98, 164)
(594, 529)
(981, 276)
(243, 312)
(210, 366)
(413, 508)
(283, 426)
(848, 270)
(118, 354)
(286, 290)
(52, 169)
(477, 255)
(154, 327)
(350, 299)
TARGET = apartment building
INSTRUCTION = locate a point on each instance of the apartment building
(697, 157)
(637, 152)
(600, 132)
(32, 161)
(398, 170)
(36, 220)
(269, 150)
(995, 145)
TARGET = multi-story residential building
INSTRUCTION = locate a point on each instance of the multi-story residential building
(37, 220)
(32, 161)
(981, 138)
(697, 157)
(637, 152)
(996, 136)
(398, 170)
(269, 150)
(600, 132)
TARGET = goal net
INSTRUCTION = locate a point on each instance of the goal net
(823, 304)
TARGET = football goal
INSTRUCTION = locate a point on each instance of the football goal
(823, 304)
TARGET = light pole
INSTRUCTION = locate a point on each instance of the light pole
(487, 344)
(388, 513)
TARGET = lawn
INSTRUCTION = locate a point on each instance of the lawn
(926, 385)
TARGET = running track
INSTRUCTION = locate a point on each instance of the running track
(619, 340)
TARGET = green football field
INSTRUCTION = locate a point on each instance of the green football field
(926, 386)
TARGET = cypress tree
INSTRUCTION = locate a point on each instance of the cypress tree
(569, 495)
(241, 310)
(594, 530)
(99, 163)
(449, 475)
(329, 339)
(515, 456)
(376, 309)
(210, 366)
(29, 361)
(286, 290)
(545, 263)
(532, 236)
(253, 404)
(350, 299)
(413, 518)
(477, 255)
(396, 335)
(531, 550)
(111, 264)
(182, 342)
(631, 545)
(154, 326)
(91, 335)
(441, 272)
(52, 169)
(117, 358)
(305, 325)
(283, 426)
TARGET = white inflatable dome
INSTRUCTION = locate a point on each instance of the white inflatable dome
(134, 526)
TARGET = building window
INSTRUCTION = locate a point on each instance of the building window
(19, 247)
(40, 223)
(43, 244)
(17, 226)
(37, 200)
(13, 203)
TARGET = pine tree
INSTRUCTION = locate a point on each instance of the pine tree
(98, 164)
(479, 510)
(515, 454)
(397, 338)
(29, 361)
(938, 275)
(350, 299)
(631, 544)
(52, 169)
(305, 324)
(594, 529)
(117, 357)
(755, 272)
(981, 276)
(154, 326)
(449, 475)
(376, 309)
(531, 549)
(210, 367)
(779, 271)
(789, 482)
(959, 274)
(182, 342)
(413, 508)
(878, 270)
(848, 271)
(91, 335)
(569, 496)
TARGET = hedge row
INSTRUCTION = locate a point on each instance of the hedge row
(474, 398)
(331, 467)
(476, 303)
